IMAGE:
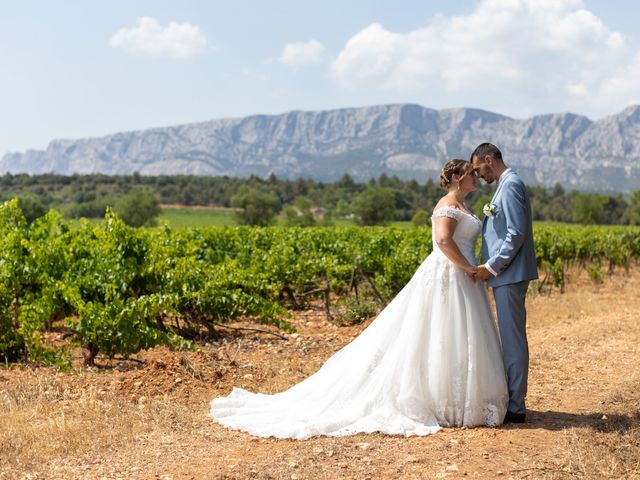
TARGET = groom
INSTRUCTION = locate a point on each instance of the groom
(510, 263)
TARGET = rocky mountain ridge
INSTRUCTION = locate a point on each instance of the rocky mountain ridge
(406, 140)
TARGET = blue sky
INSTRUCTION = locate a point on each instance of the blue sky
(74, 68)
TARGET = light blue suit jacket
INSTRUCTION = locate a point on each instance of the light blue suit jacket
(507, 236)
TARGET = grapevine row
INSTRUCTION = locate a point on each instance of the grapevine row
(116, 290)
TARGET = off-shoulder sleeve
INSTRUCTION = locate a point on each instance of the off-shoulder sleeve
(451, 212)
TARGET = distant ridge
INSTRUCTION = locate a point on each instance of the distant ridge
(406, 140)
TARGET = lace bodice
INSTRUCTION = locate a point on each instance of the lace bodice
(466, 233)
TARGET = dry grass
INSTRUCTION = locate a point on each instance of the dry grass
(610, 447)
(150, 421)
(45, 421)
(595, 454)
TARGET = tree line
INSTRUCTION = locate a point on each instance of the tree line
(137, 198)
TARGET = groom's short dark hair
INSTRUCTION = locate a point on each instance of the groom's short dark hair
(485, 149)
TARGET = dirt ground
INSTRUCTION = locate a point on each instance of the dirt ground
(150, 420)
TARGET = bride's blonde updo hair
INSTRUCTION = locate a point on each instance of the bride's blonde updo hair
(451, 168)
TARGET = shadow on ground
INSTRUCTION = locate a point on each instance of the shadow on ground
(600, 421)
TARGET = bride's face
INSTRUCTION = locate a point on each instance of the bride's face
(468, 182)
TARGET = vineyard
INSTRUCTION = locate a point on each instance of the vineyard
(115, 290)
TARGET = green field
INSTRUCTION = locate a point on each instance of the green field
(188, 217)
(197, 217)
(191, 217)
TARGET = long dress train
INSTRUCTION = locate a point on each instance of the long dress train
(431, 359)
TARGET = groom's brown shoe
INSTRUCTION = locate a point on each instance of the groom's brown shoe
(515, 417)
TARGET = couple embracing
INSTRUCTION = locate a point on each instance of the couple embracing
(433, 357)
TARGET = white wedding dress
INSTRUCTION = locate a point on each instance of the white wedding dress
(431, 359)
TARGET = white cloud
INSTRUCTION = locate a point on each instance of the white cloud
(578, 89)
(622, 88)
(301, 53)
(373, 52)
(505, 54)
(148, 37)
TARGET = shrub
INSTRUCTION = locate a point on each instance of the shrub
(139, 208)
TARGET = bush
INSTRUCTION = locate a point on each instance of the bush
(595, 273)
(589, 209)
(356, 311)
(90, 209)
(374, 206)
(300, 215)
(32, 207)
(12, 343)
(258, 208)
(421, 218)
(633, 210)
(140, 208)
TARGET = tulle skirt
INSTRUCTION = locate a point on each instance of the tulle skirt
(431, 359)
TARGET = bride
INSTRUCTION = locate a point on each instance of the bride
(431, 358)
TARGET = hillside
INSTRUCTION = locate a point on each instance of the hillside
(409, 141)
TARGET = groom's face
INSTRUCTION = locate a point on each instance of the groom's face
(484, 167)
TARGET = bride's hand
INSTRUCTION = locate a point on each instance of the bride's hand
(471, 271)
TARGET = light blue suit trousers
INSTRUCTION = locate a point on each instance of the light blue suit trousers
(512, 321)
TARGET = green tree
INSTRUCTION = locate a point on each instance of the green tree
(557, 190)
(342, 208)
(300, 215)
(347, 183)
(420, 218)
(589, 208)
(257, 208)
(92, 209)
(615, 208)
(633, 208)
(139, 208)
(374, 206)
(31, 207)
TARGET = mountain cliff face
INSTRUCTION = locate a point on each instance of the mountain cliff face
(409, 141)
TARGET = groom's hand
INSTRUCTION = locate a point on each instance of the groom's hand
(483, 274)
(472, 271)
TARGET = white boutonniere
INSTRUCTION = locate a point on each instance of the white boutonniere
(489, 209)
